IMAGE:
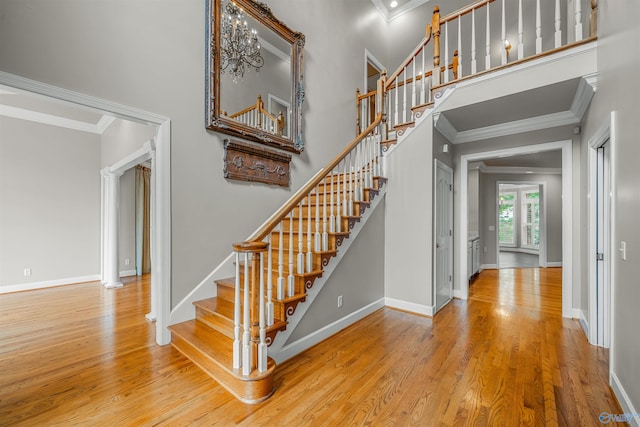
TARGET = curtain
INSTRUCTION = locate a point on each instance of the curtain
(143, 220)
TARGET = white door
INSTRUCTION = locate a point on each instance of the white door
(443, 231)
(603, 230)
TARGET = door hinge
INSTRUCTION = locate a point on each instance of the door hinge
(450, 187)
(599, 256)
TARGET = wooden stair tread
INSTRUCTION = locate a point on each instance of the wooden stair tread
(217, 305)
(213, 353)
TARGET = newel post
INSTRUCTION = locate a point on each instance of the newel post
(435, 30)
(381, 104)
(252, 351)
(358, 110)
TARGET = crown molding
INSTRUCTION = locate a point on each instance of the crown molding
(519, 170)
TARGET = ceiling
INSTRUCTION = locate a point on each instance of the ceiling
(403, 7)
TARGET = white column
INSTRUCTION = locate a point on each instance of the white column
(487, 59)
(520, 32)
(155, 298)
(558, 24)
(103, 226)
(538, 29)
(113, 228)
(473, 42)
(578, 20)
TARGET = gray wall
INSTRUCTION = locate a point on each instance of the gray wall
(50, 202)
(122, 138)
(619, 91)
(358, 278)
(151, 57)
(473, 194)
(127, 221)
(487, 200)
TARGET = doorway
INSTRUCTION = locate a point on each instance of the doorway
(443, 230)
(520, 225)
(161, 249)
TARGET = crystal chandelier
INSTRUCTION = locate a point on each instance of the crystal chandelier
(239, 43)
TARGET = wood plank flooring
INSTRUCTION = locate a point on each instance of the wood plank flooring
(85, 355)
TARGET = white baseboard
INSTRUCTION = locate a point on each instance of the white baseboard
(579, 314)
(185, 309)
(457, 293)
(425, 310)
(554, 264)
(488, 267)
(623, 399)
(297, 347)
(128, 273)
(48, 283)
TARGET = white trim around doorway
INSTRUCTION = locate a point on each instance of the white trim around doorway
(161, 275)
(567, 214)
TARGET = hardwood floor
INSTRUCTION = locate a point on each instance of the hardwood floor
(85, 355)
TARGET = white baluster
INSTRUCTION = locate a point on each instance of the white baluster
(237, 344)
(413, 87)
(356, 188)
(309, 237)
(538, 29)
(300, 257)
(504, 36)
(487, 58)
(578, 20)
(395, 112)
(270, 310)
(246, 336)
(520, 32)
(360, 172)
(325, 234)
(291, 278)
(474, 64)
(558, 22)
(338, 209)
(404, 97)
(317, 238)
(280, 286)
(460, 47)
(262, 346)
(422, 75)
(446, 52)
(332, 218)
(345, 189)
(350, 207)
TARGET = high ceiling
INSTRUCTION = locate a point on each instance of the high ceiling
(403, 6)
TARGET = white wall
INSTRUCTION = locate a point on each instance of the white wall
(619, 91)
(49, 203)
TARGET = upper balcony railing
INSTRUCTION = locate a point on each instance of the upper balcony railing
(465, 44)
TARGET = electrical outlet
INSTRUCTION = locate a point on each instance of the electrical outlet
(126, 261)
(27, 272)
(340, 301)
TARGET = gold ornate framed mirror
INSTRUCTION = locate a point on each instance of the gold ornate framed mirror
(254, 74)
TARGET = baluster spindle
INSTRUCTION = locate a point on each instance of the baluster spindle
(558, 23)
(350, 209)
(487, 58)
(413, 87)
(404, 97)
(262, 346)
(446, 52)
(291, 277)
(325, 234)
(270, 310)
(504, 36)
(345, 207)
(246, 336)
(578, 20)
(317, 238)
(358, 113)
(423, 76)
(474, 64)
(309, 257)
(338, 209)
(538, 29)
(395, 111)
(332, 218)
(280, 286)
(356, 187)
(237, 344)
(520, 32)
(300, 256)
(459, 73)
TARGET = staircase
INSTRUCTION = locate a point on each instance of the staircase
(300, 244)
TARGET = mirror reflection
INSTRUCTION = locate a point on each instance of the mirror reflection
(254, 86)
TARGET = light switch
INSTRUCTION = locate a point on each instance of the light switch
(623, 250)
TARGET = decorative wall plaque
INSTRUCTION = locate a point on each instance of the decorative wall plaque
(248, 162)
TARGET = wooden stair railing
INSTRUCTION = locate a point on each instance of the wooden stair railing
(276, 266)
(256, 116)
(412, 88)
